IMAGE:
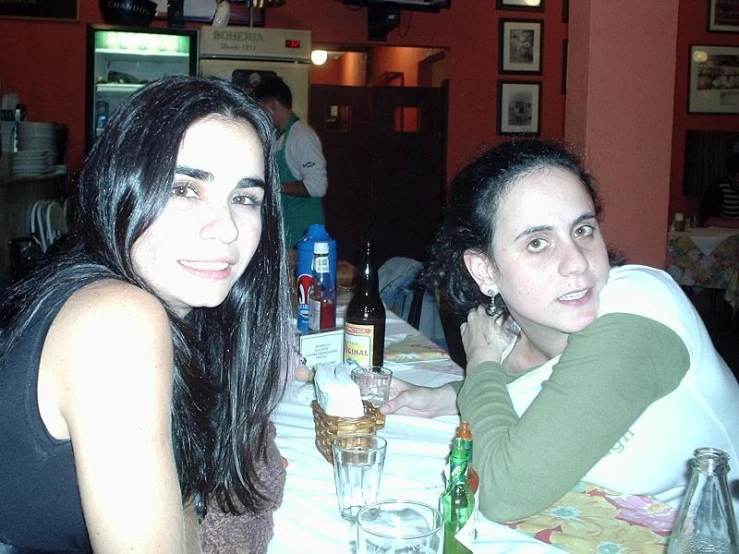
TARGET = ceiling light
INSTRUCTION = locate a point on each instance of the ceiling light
(318, 57)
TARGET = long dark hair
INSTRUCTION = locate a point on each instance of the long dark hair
(471, 216)
(230, 361)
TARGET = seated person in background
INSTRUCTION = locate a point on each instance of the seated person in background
(300, 161)
(720, 204)
(577, 370)
(140, 365)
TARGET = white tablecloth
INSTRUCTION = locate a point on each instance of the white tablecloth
(308, 520)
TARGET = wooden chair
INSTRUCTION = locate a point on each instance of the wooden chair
(449, 323)
(414, 314)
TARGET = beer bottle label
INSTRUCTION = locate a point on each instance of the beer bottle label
(358, 341)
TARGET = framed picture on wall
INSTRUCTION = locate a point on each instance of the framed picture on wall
(714, 79)
(520, 46)
(723, 16)
(529, 5)
(204, 10)
(519, 107)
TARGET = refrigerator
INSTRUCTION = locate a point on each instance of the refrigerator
(121, 60)
(247, 55)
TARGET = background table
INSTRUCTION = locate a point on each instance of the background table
(588, 519)
(706, 257)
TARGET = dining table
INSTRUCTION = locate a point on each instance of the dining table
(706, 257)
(587, 519)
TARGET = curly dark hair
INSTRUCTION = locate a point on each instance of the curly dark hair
(471, 216)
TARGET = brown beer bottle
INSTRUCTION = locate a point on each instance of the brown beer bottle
(364, 326)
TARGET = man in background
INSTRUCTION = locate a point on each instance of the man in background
(300, 161)
(720, 204)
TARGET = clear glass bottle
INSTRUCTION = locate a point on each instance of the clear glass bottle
(457, 503)
(706, 523)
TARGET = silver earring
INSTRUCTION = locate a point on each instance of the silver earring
(490, 307)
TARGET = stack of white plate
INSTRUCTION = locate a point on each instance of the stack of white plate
(37, 136)
(6, 164)
(6, 136)
(31, 162)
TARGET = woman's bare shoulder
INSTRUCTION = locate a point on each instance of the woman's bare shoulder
(110, 342)
(111, 300)
(106, 326)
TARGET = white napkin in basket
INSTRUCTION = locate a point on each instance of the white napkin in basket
(337, 394)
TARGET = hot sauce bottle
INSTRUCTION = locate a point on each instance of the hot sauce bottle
(457, 503)
(464, 433)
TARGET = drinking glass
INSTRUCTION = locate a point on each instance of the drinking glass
(374, 383)
(358, 463)
(399, 527)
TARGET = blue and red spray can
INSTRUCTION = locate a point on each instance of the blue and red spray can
(304, 270)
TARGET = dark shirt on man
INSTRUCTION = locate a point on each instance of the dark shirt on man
(721, 199)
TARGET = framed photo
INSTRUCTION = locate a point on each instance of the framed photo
(714, 79)
(61, 10)
(528, 5)
(519, 107)
(520, 46)
(204, 10)
(723, 16)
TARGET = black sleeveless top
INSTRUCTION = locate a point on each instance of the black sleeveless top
(40, 506)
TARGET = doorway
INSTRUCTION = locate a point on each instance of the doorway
(384, 138)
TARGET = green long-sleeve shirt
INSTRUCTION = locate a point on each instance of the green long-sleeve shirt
(597, 390)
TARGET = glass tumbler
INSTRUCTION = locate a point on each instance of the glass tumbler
(399, 527)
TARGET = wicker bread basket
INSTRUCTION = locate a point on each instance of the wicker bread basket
(329, 427)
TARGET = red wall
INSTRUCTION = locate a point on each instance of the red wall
(353, 69)
(403, 60)
(693, 29)
(619, 109)
(45, 62)
(327, 74)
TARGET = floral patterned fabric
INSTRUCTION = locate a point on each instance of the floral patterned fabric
(717, 270)
(590, 519)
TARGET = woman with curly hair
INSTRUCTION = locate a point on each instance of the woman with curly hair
(577, 368)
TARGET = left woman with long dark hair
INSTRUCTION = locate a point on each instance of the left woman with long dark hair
(140, 365)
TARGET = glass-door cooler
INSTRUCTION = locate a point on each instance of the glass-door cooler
(121, 60)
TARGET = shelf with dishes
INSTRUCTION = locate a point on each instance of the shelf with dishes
(39, 149)
(23, 179)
